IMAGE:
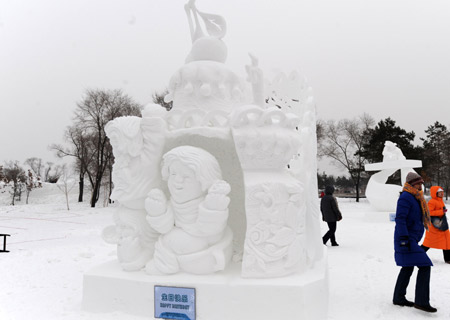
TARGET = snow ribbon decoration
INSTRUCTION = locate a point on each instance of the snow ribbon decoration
(215, 25)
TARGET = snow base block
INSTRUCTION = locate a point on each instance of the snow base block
(221, 296)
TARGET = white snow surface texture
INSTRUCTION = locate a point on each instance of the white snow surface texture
(51, 248)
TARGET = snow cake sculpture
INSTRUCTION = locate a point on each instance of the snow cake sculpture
(217, 193)
(382, 196)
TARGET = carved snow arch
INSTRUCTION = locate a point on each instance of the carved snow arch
(221, 145)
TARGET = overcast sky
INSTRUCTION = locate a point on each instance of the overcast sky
(388, 58)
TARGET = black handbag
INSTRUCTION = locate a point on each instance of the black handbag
(440, 223)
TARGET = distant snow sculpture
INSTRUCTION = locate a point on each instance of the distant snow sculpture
(193, 222)
(391, 152)
(382, 196)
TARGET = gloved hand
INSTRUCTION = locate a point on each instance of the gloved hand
(445, 210)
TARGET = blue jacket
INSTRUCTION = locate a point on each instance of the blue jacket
(409, 225)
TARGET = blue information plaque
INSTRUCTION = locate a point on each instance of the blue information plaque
(174, 303)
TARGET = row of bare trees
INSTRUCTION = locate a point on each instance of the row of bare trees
(47, 171)
(14, 177)
(86, 139)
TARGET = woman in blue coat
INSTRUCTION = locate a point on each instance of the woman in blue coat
(412, 216)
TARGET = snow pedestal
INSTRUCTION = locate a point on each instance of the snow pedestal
(220, 296)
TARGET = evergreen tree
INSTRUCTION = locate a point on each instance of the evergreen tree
(436, 155)
(386, 130)
(324, 180)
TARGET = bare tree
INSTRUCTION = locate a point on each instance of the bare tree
(55, 173)
(14, 173)
(66, 182)
(35, 165)
(320, 135)
(93, 112)
(47, 170)
(29, 184)
(82, 149)
(343, 142)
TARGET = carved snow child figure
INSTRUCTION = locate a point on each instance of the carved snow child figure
(194, 236)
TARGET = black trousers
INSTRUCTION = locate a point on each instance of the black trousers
(330, 235)
(445, 252)
(422, 295)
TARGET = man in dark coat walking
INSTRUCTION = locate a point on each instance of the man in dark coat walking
(412, 216)
(330, 214)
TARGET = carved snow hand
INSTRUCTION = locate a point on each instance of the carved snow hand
(155, 203)
(217, 198)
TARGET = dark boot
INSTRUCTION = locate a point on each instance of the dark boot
(425, 308)
(401, 285)
(446, 256)
(404, 303)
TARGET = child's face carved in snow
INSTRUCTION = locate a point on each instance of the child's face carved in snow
(182, 182)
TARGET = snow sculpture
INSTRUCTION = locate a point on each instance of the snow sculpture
(256, 78)
(271, 206)
(303, 165)
(193, 223)
(137, 144)
(222, 186)
(265, 141)
(204, 82)
(206, 47)
(391, 152)
(382, 196)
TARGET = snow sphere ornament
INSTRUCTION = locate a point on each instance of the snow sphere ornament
(208, 48)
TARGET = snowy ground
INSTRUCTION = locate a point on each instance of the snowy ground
(51, 248)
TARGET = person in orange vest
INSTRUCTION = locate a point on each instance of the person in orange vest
(438, 235)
